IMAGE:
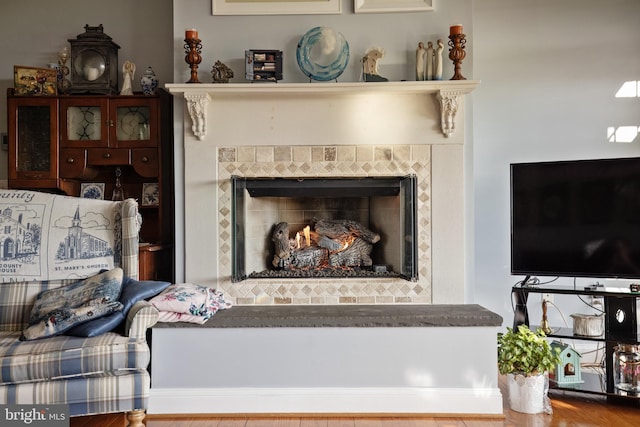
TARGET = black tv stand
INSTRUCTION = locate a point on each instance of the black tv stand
(617, 330)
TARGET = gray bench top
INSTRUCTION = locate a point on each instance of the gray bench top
(316, 316)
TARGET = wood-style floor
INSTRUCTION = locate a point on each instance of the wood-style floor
(568, 410)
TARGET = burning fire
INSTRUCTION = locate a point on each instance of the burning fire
(331, 244)
(307, 237)
(347, 241)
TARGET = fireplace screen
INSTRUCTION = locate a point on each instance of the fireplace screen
(324, 227)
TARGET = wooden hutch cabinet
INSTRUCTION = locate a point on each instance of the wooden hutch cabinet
(33, 150)
(67, 143)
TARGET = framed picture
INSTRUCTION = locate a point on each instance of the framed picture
(150, 194)
(35, 81)
(381, 6)
(92, 190)
(270, 7)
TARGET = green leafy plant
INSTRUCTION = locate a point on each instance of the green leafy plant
(525, 352)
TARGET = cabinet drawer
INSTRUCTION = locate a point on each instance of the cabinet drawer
(72, 163)
(108, 156)
(145, 161)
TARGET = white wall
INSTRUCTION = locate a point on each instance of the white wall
(225, 38)
(549, 71)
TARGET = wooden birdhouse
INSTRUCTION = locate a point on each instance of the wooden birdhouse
(568, 370)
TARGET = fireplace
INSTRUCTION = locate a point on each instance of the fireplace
(333, 227)
(332, 130)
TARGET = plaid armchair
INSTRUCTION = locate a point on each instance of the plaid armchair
(48, 241)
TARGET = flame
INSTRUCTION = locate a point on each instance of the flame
(298, 240)
(347, 242)
(307, 235)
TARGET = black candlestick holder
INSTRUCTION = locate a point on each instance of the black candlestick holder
(457, 43)
(193, 48)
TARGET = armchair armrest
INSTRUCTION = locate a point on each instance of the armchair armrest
(141, 317)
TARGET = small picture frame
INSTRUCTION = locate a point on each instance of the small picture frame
(275, 7)
(92, 190)
(385, 6)
(150, 194)
(35, 81)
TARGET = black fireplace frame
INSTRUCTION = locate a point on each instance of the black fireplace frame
(402, 186)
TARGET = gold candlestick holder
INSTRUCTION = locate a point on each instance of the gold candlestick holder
(193, 48)
(457, 43)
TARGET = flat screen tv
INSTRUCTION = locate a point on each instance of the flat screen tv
(576, 218)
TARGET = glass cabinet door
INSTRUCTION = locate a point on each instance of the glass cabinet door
(135, 122)
(84, 123)
(33, 151)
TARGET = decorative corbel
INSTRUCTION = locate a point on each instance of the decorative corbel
(197, 107)
(448, 109)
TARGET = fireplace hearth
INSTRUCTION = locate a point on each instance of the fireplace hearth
(324, 227)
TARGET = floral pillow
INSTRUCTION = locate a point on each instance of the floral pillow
(195, 302)
(60, 309)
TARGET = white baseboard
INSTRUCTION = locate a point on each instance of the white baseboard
(363, 400)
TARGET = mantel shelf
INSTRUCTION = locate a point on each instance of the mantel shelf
(198, 95)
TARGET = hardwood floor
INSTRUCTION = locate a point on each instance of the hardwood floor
(568, 410)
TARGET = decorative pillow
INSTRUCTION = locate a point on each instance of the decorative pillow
(62, 319)
(189, 299)
(57, 310)
(183, 298)
(132, 292)
(106, 284)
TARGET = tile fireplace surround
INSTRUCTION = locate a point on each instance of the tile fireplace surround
(326, 130)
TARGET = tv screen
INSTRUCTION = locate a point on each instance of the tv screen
(576, 218)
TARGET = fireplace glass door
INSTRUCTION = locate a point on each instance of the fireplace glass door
(324, 227)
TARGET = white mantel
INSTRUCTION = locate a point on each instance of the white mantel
(446, 92)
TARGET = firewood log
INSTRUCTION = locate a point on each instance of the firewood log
(280, 238)
(311, 256)
(356, 255)
(332, 245)
(341, 229)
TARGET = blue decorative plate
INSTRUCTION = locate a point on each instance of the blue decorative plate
(322, 54)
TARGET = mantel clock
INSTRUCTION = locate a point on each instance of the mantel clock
(94, 62)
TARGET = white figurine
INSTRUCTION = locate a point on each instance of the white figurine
(128, 70)
(430, 59)
(370, 65)
(438, 74)
(421, 58)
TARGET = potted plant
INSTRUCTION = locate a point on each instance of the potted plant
(526, 358)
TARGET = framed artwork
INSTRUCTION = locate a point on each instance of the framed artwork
(92, 190)
(381, 6)
(35, 81)
(270, 7)
(150, 194)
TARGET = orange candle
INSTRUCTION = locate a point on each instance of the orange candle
(191, 33)
(455, 30)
